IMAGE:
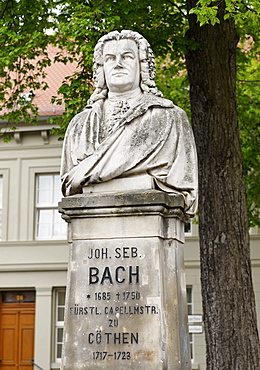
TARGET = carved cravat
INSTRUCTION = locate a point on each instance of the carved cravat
(116, 109)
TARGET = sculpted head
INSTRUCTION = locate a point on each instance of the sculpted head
(123, 60)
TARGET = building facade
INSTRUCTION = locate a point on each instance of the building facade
(34, 255)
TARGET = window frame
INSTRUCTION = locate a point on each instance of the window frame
(57, 324)
(46, 206)
(188, 232)
(190, 312)
(193, 232)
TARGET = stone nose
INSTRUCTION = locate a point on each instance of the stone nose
(119, 63)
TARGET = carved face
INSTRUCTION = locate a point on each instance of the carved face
(121, 65)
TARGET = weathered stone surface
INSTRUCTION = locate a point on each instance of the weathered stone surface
(126, 305)
(124, 184)
(143, 198)
(128, 130)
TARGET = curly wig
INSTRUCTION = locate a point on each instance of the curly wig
(146, 57)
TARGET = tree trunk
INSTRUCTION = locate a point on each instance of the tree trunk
(227, 292)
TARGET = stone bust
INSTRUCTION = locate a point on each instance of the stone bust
(128, 128)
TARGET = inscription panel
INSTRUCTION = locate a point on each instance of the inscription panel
(115, 314)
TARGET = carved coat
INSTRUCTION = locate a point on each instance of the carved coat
(153, 138)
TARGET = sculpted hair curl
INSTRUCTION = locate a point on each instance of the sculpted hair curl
(146, 57)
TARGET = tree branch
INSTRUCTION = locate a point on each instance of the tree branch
(3, 12)
(178, 7)
(248, 8)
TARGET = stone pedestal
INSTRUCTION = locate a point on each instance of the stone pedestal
(126, 295)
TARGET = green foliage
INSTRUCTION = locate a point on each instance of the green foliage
(23, 38)
(248, 101)
(207, 11)
(172, 81)
(78, 24)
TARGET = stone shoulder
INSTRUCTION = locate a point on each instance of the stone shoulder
(78, 119)
(163, 103)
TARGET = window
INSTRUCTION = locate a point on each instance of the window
(18, 297)
(49, 224)
(190, 312)
(59, 322)
(1, 204)
(187, 227)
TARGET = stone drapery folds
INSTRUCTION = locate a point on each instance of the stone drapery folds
(152, 137)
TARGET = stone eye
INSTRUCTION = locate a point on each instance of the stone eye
(127, 56)
(110, 58)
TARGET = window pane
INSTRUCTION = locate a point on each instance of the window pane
(45, 182)
(57, 217)
(57, 189)
(45, 216)
(44, 189)
(187, 227)
(61, 311)
(56, 181)
(191, 345)
(59, 227)
(189, 300)
(59, 335)
(61, 298)
(44, 197)
(56, 196)
(18, 296)
(60, 231)
(59, 350)
(44, 223)
(44, 231)
(189, 297)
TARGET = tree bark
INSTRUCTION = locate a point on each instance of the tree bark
(227, 291)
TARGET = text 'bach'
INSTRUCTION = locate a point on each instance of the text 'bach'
(120, 275)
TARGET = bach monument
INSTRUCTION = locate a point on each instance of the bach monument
(129, 179)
